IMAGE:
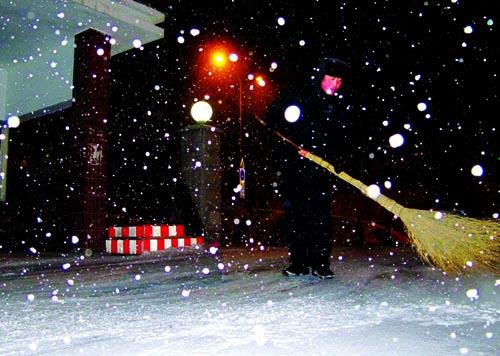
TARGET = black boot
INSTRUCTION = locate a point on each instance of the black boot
(296, 270)
(322, 271)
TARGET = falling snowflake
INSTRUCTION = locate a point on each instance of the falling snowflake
(292, 113)
(373, 191)
(396, 140)
(472, 293)
(477, 170)
(137, 43)
(468, 29)
(422, 106)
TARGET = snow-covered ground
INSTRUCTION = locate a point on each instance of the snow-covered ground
(382, 301)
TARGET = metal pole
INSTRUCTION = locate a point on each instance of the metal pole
(241, 172)
(241, 117)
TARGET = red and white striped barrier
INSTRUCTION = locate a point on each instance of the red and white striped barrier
(152, 245)
(152, 231)
(124, 247)
(126, 231)
(146, 231)
(136, 247)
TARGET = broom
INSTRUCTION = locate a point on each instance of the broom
(455, 244)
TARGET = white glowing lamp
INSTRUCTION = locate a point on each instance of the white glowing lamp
(201, 112)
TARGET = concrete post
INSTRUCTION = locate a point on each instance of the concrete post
(4, 135)
(201, 171)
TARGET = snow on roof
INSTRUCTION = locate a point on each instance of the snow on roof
(37, 39)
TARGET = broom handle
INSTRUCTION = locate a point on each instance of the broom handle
(280, 135)
(384, 201)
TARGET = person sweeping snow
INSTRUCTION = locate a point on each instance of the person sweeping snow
(456, 244)
(310, 109)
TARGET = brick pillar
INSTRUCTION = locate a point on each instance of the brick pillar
(91, 105)
(201, 171)
(4, 135)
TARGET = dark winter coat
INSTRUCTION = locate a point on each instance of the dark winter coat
(323, 128)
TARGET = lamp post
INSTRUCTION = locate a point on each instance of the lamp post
(201, 169)
(221, 66)
(222, 60)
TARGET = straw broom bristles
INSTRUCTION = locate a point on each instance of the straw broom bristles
(456, 244)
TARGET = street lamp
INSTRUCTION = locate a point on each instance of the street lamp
(223, 67)
(200, 157)
(222, 60)
(201, 111)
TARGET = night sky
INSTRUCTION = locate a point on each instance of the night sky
(402, 54)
